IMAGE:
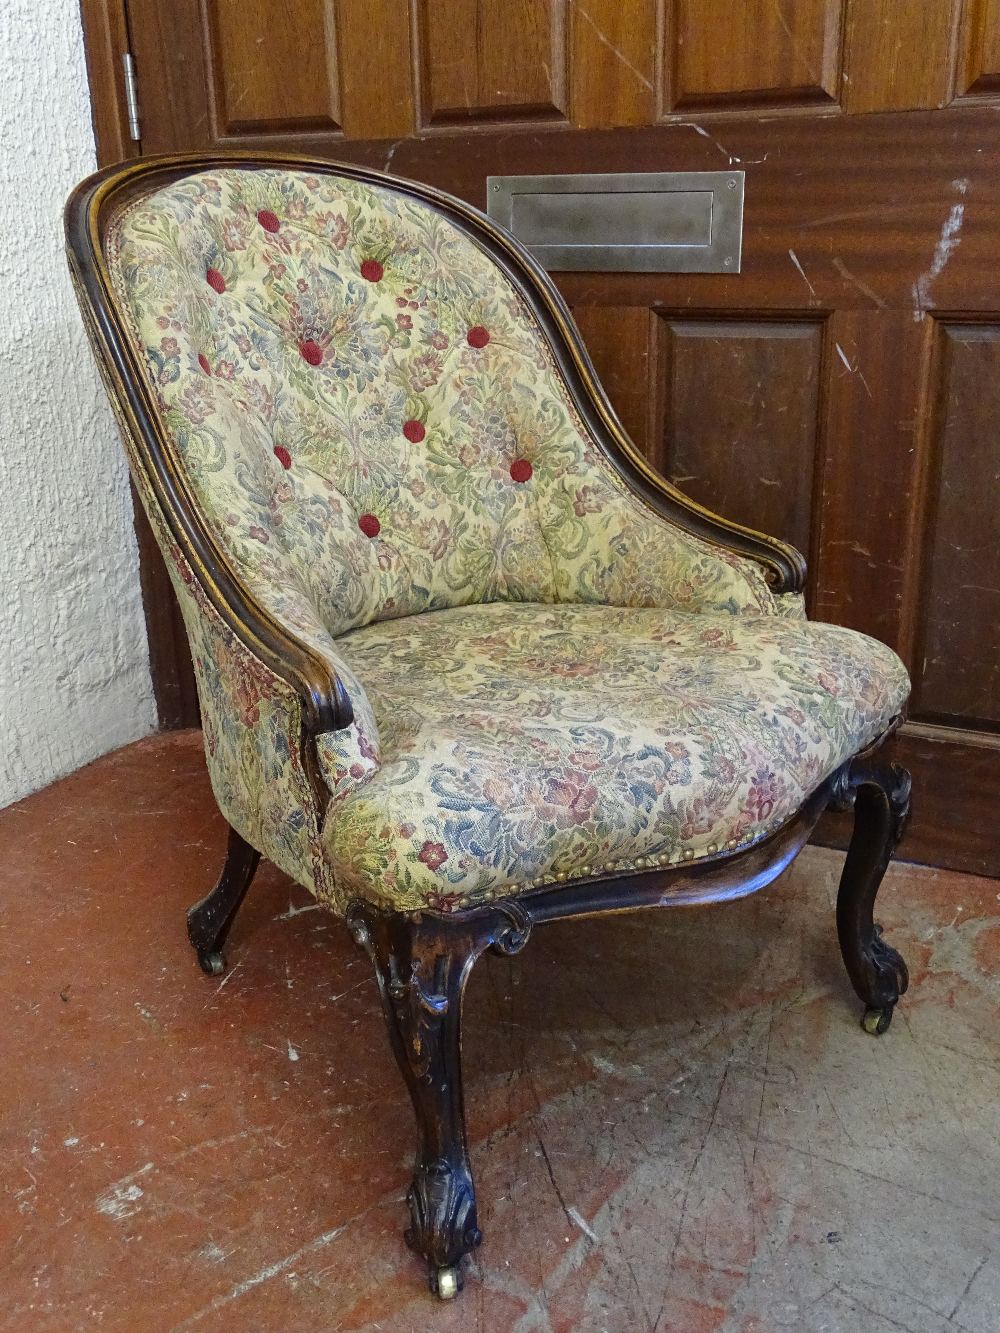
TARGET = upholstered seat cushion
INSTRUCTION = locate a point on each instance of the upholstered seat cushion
(522, 744)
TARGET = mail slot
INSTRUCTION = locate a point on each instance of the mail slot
(646, 222)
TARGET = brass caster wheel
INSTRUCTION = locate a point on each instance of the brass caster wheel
(876, 1021)
(214, 964)
(446, 1283)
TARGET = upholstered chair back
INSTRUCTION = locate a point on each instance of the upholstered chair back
(439, 607)
(369, 416)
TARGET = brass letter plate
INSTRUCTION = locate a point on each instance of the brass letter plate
(630, 222)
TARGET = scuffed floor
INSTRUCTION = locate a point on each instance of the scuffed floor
(677, 1123)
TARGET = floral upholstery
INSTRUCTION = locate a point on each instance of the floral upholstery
(530, 744)
(252, 726)
(546, 675)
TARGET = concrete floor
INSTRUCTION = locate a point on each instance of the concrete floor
(676, 1120)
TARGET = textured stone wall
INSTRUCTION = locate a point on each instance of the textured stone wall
(74, 672)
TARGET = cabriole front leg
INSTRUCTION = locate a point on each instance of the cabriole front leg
(422, 963)
(880, 794)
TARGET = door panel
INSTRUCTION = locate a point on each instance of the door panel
(760, 53)
(876, 403)
(979, 68)
(267, 76)
(841, 391)
(375, 71)
(401, 68)
(739, 419)
(612, 60)
(959, 647)
(483, 61)
(899, 56)
(622, 342)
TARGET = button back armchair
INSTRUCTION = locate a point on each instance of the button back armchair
(466, 664)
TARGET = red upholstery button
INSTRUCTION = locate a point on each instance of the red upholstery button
(311, 351)
(369, 525)
(203, 362)
(372, 270)
(283, 456)
(414, 431)
(520, 469)
(268, 220)
(477, 336)
(215, 279)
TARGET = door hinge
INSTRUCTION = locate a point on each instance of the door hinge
(131, 97)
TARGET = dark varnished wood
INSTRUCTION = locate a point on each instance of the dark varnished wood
(958, 775)
(174, 63)
(375, 70)
(753, 455)
(869, 484)
(105, 40)
(959, 631)
(170, 665)
(880, 795)
(406, 69)
(870, 191)
(422, 963)
(622, 343)
(210, 921)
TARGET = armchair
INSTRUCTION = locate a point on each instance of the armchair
(466, 664)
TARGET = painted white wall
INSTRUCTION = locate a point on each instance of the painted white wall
(74, 669)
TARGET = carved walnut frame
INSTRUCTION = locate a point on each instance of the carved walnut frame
(422, 960)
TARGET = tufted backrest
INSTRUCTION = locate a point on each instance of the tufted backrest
(366, 408)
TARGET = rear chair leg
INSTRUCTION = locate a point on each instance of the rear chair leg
(880, 793)
(209, 921)
(422, 963)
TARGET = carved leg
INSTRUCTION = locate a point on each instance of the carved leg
(422, 963)
(209, 921)
(880, 793)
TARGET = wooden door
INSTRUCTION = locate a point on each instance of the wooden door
(843, 391)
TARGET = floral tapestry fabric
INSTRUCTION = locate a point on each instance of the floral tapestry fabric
(366, 406)
(523, 745)
(547, 677)
(252, 728)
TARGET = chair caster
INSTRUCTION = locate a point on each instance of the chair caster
(212, 962)
(876, 1021)
(445, 1283)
